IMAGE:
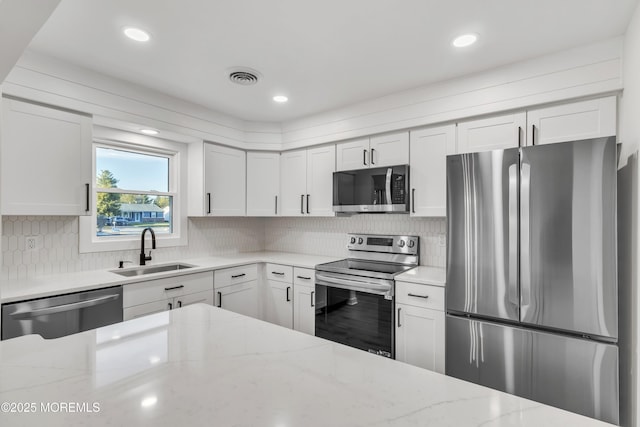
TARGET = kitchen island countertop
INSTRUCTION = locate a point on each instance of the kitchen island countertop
(201, 365)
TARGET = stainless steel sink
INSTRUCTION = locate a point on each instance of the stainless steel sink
(141, 271)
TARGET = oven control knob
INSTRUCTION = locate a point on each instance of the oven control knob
(401, 243)
(360, 240)
(353, 240)
(411, 243)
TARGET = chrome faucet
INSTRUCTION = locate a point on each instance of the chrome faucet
(143, 257)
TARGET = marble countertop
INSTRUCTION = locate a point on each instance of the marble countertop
(201, 365)
(43, 286)
(424, 275)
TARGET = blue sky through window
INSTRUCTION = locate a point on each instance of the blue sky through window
(134, 171)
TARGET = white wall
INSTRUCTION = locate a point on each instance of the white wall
(629, 136)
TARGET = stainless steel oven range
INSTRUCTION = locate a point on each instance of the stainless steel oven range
(355, 296)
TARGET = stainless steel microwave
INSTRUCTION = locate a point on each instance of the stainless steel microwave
(382, 190)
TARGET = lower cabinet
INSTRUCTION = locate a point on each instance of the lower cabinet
(304, 311)
(154, 296)
(236, 289)
(420, 323)
(279, 303)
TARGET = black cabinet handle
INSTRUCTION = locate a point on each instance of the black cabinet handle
(170, 306)
(519, 136)
(303, 277)
(88, 207)
(302, 204)
(371, 160)
(399, 308)
(288, 297)
(308, 197)
(208, 203)
(364, 157)
(179, 304)
(533, 134)
(276, 205)
(312, 295)
(220, 299)
(277, 273)
(174, 287)
(418, 296)
(413, 200)
(238, 275)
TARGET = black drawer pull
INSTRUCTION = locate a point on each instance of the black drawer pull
(418, 296)
(220, 299)
(303, 277)
(277, 273)
(174, 288)
(238, 275)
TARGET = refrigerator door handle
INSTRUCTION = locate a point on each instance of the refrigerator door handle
(513, 236)
(525, 238)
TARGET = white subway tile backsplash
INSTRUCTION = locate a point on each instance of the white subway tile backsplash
(208, 237)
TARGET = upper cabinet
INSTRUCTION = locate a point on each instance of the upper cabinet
(263, 183)
(493, 133)
(428, 169)
(570, 122)
(46, 161)
(378, 151)
(306, 181)
(224, 181)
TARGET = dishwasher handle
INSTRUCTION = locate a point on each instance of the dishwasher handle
(29, 314)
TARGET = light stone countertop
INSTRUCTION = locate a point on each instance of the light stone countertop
(424, 275)
(43, 286)
(201, 365)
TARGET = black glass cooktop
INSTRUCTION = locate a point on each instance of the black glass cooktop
(360, 267)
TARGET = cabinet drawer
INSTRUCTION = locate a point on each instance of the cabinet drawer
(418, 295)
(231, 276)
(162, 289)
(304, 277)
(280, 273)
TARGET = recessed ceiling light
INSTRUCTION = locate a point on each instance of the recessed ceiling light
(149, 131)
(280, 98)
(149, 401)
(136, 34)
(465, 40)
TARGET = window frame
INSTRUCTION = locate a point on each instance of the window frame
(176, 152)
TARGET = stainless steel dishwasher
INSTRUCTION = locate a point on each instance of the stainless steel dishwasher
(62, 315)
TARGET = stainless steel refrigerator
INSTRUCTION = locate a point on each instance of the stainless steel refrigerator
(531, 273)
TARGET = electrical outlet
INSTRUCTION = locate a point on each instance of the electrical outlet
(442, 239)
(32, 243)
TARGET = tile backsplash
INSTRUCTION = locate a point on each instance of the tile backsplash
(207, 237)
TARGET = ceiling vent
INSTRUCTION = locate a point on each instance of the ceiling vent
(244, 76)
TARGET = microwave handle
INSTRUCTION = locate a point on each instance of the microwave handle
(388, 185)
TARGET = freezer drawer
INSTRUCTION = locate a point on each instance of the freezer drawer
(575, 374)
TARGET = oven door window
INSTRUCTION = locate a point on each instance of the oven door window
(356, 319)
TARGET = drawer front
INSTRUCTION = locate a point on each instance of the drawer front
(233, 275)
(162, 289)
(304, 277)
(280, 273)
(418, 295)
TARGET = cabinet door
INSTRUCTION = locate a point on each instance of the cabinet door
(293, 182)
(428, 169)
(304, 312)
(353, 155)
(224, 170)
(321, 163)
(46, 160)
(263, 184)
(493, 133)
(420, 337)
(141, 310)
(279, 303)
(389, 150)
(571, 122)
(240, 298)
(205, 297)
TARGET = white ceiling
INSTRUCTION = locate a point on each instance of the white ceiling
(321, 54)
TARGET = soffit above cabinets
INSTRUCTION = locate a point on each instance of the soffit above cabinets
(322, 55)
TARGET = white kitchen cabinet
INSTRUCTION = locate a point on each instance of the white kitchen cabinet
(420, 325)
(304, 312)
(236, 289)
(263, 183)
(428, 169)
(492, 133)
(153, 296)
(378, 151)
(569, 122)
(306, 181)
(278, 302)
(224, 182)
(45, 162)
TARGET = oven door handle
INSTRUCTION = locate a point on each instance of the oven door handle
(353, 285)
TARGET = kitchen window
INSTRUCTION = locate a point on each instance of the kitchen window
(135, 187)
